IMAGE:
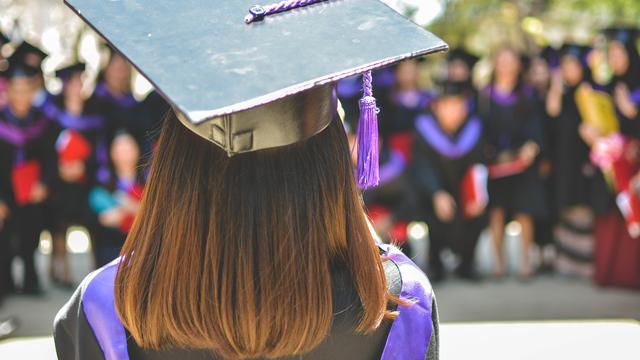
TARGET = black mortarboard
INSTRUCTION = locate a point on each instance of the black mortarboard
(30, 54)
(452, 88)
(68, 71)
(18, 68)
(625, 35)
(463, 55)
(580, 52)
(250, 77)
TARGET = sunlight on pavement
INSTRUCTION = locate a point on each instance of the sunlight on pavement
(41, 348)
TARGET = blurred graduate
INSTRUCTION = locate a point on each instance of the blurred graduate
(27, 170)
(450, 177)
(83, 161)
(513, 139)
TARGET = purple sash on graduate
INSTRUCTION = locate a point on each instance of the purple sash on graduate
(408, 338)
(468, 137)
(100, 310)
(392, 168)
(126, 100)
(635, 96)
(19, 136)
(411, 332)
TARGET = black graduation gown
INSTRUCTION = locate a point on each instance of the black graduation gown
(122, 112)
(75, 339)
(576, 180)
(435, 169)
(509, 122)
(69, 201)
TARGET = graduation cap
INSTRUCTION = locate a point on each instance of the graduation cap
(68, 71)
(625, 35)
(30, 55)
(551, 56)
(462, 55)
(249, 77)
(452, 88)
(18, 68)
(580, 52)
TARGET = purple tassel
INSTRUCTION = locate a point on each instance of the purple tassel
(367, 137)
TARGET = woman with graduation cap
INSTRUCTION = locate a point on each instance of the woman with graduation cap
(113, 93)
(576, 181)
(26, 169)
(624, 87)
(251, 240)
(82, 161)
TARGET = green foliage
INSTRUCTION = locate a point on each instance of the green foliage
(483, 25)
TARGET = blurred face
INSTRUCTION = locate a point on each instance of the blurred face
(539, 74)
(73, 86)
(407, 74)
(571, 70)
(117, 74)
(459, 71)
(451, 112)
(20, 94)
(125, 152)
(618, 58)
(507, 65)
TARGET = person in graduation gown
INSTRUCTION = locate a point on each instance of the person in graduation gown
(539, 78)
(251, 240)
(82, 162)
(447, 148)
(392, 204)
(113, 92)
(513, 139)
(27, 169)
(460, 64)
(406, 101)
(34, 57)
(116, 202)
(575, 179)
(624, 87)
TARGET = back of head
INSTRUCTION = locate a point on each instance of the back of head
(234, 253)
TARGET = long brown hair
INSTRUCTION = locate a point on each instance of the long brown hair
(234, 254)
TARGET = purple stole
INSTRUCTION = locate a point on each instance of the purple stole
(125, 101)
(19, 136)
(408, 338)
(392, 168)
(431, 132)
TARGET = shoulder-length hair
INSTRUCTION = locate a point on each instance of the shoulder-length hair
(233, 254)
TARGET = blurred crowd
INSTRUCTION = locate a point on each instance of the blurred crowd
(458, 157)
(68, 159)
(540, 143)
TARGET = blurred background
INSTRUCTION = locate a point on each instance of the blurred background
(518, 199)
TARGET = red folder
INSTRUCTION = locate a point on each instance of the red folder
(24, 177)
(474, 189)
(507, 168)
(72, 146)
